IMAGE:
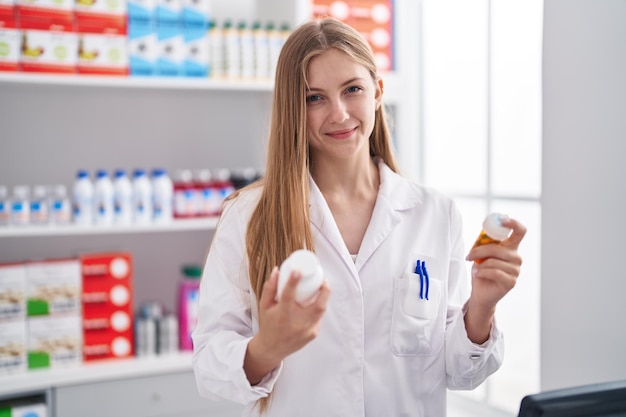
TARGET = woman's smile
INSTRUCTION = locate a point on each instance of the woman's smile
(342, 134)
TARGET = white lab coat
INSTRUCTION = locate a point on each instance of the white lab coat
(381, 350)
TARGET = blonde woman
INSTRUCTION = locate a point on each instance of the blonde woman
(374, 342)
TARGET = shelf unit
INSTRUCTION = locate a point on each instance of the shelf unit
(45, 379)
(208, 224)
(53, 125)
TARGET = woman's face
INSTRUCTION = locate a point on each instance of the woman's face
(340, 106)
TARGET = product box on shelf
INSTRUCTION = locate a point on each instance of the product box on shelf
(142, 47)
(12, 291)
(24, 409)
(171, 49)
(53, 287)
(107, 303)
(49, 44)
(10, 37)
(56, 10)
(196, 50)
(102, 29)
(372, 18)
(13, 346)
(142, 37)
(54, 341)
(102, 45)
(196, 12)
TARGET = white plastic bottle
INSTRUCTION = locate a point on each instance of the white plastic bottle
(82, 199)
(308, 264)
(4, 205)
(60, 205)
(142, 197)
(217, 58)
(122, 198)
(39, 213)
(261, 52)
(163, 196)
(204, 190)
(103, 199)
(20, 208)
(246, 38)
(232, 50)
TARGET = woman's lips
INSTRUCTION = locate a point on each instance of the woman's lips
(341, 134)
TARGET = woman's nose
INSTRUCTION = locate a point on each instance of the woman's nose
(338, 111)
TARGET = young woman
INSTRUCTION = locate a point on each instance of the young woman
(374, 342)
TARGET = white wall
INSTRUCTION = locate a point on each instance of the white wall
(584, 193)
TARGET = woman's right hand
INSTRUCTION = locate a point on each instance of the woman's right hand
(285, 326)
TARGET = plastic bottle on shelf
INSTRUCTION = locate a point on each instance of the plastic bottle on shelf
(122, 198)
(246, 38)
(217, 59)
(232, 50)
(185, 195)
(39, 213)
(60, 205)
(20, 206)
(205, 191)
(142, 197)
(82, 199)
(103, 199)
(261, 52)
(224, 187)
(163, 196)
(493, 231)
(309, 266)
(4, 205)
(189, 288)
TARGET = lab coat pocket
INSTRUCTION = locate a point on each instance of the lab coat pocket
(417, 321)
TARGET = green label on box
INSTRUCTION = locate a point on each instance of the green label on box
(38, 360)
(35, 307)
(5, 411)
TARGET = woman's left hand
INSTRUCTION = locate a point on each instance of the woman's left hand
(493, 277)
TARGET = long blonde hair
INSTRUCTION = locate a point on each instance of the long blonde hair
(280, 223)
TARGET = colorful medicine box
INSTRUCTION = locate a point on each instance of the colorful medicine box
(107, 306)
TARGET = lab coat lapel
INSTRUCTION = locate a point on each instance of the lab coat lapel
(395, 195)
(322, 219)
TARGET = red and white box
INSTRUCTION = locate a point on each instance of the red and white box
(102, 45)
(107, 306)
(10, 37)
(48, 45)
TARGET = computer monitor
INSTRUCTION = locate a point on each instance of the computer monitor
(598, 400)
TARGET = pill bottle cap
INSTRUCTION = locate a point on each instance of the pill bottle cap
(492, 225)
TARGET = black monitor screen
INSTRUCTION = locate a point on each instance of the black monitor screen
(598, 400)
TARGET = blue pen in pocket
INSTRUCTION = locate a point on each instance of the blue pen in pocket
(418, 271)
(426, 279)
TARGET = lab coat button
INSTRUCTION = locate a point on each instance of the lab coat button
(475, 356)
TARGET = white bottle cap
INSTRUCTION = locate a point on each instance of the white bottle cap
(492, 225)
(312, 274)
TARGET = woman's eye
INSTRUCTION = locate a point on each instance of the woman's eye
(353, 89)
(313, 98)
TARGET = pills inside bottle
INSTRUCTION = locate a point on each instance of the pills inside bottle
(493, 231)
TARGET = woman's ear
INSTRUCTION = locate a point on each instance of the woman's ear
(380, 88)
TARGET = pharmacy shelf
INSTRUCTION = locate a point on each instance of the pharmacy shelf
(391, 80)
(97, 371)
(208, 223)
(173, 83)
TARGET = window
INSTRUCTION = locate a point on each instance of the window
(481, 144)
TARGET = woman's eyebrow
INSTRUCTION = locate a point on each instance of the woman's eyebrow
(344, 84)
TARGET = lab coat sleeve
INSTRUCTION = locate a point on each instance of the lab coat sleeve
(225, 320)
(467, 364)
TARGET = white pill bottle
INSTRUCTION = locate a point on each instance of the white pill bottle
(309, 266)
